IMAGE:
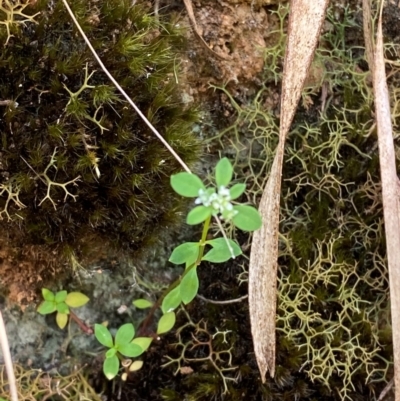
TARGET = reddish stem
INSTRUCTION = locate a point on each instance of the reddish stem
(85, 328)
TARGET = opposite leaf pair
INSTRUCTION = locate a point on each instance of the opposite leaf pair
(216, 201)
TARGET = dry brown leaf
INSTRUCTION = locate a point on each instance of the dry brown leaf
(305, 22)
(390, 195)
(368, 34)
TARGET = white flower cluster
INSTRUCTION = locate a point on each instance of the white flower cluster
(220, 202)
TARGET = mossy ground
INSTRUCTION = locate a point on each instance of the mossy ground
(334, 334)
(81, 175)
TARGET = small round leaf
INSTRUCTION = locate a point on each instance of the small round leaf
(223, 172)
(186, 184)
(189, 286)
(61, 319)
(47, 307)
(62, 308)
(130, 350)
(221, 252)
(103, 335)
(166, 323)
(247, 219)
(60, 296)
(198, 215)
(76, 299)
(142, 303)
(111, 352)
(125, 334)
(48, 295)
(111, 367)
(172, 300)
(185, 253)
(237, 190)
(143, 342)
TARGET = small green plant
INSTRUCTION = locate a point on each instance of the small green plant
(214, 201)
(122, 345)
(61, 302)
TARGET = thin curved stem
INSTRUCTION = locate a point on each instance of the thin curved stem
(118, 86)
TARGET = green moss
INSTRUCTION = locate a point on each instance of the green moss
(82, 162)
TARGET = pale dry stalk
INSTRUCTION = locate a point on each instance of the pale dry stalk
(390, 194)
(305, 22)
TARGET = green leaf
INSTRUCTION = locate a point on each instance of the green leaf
(61, 319)
(220, 252)
(76, 299)
(166, 323)
(111, 367)
(237, 190)
(103, 335)
(185, 253)
(62, 307)
(186, 184)
(47, 307)
(48, 295)
(223, 172)
(125, 334)
(130, 350)
(143, 342)
(198, 214)
(111, 352)
(189, 286)
(247, 218)
(60, 296)
(172, 300)
(142, 303)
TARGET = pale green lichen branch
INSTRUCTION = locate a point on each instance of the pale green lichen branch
(221, 360)
(51, 183)
(12, 11)
(47, 181)
(12, 195)
(85, 85)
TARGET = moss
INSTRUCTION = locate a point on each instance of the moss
(82, 163)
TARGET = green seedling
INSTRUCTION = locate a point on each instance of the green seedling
(61, 302)
(216, 201)
(219, 202)
(123, 344)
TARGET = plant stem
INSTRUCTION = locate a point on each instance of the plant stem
(86, 329)
(118, 86)
(143, 329)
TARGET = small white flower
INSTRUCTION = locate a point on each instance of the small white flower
(220, 202)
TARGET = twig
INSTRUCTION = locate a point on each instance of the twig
(11, 103)
(228, 301)
(7, 360)
(118, 86)
(387, 388)
(86, 329)
(156, 9)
